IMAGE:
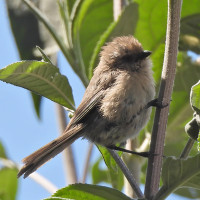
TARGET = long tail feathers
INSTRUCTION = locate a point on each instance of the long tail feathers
(41, 156)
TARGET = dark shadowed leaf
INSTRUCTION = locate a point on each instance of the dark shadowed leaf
(178, 173)
(190, 27)
(25, 29)
(37, 99)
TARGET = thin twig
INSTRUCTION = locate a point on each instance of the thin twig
(134, 165)
(117, 8)
(166, 87)
(127, 173)
(45, 183)
(57, 38)
(70, 167)
(88, 158)
(187, 148)
(145, 144)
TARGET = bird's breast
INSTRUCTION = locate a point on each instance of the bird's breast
(126, 98)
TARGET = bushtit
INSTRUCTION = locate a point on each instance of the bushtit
(114, 106)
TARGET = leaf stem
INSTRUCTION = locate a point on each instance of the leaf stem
(166, 88)
(118, 6)
(66, 51)
(127, 173)
(187, 148)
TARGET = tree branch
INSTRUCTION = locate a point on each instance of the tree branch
(127, 173)
(166, 87)
(45, 183)
(187, 148)
(117, 8)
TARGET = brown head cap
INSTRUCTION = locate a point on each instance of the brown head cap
(121, 48)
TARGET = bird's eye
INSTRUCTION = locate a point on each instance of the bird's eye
(128, 58)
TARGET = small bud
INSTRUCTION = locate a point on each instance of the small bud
(192, 129)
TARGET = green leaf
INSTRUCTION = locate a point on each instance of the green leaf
(190, 8)
(195, 97)
(123, 26)
(88, 26)
(99, 175)
(114, 173)
(88, 192)
(188, 74)
(70, 4)
(44, 56)
(8, 184)
(189, 193)
(37, 99)
(190, 28)
(41, 78)
(2, 151)
(58, 39)
(150, 31)
(23, 22)
(178, 173)
(190, 37)
(47, 24)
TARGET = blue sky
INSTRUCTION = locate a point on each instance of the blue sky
(20, 130)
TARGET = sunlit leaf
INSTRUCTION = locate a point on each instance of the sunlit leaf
(88, 26)
(195, 97)
(8, 183)
(41, 78)
(115, 176)
(88, 192)
(99, 175)
(2, 151)
(123, 26)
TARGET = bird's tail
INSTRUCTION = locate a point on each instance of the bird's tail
(50, 150)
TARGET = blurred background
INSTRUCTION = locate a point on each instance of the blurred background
(21, 131)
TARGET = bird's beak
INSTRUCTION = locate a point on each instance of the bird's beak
(146, 54)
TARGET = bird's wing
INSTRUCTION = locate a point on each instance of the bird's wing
(86, 106)
(39, 157)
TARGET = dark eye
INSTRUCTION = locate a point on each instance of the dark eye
(128, 58)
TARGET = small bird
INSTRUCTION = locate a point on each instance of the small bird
(114, 107)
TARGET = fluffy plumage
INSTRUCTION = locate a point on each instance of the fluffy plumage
(113, 107)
